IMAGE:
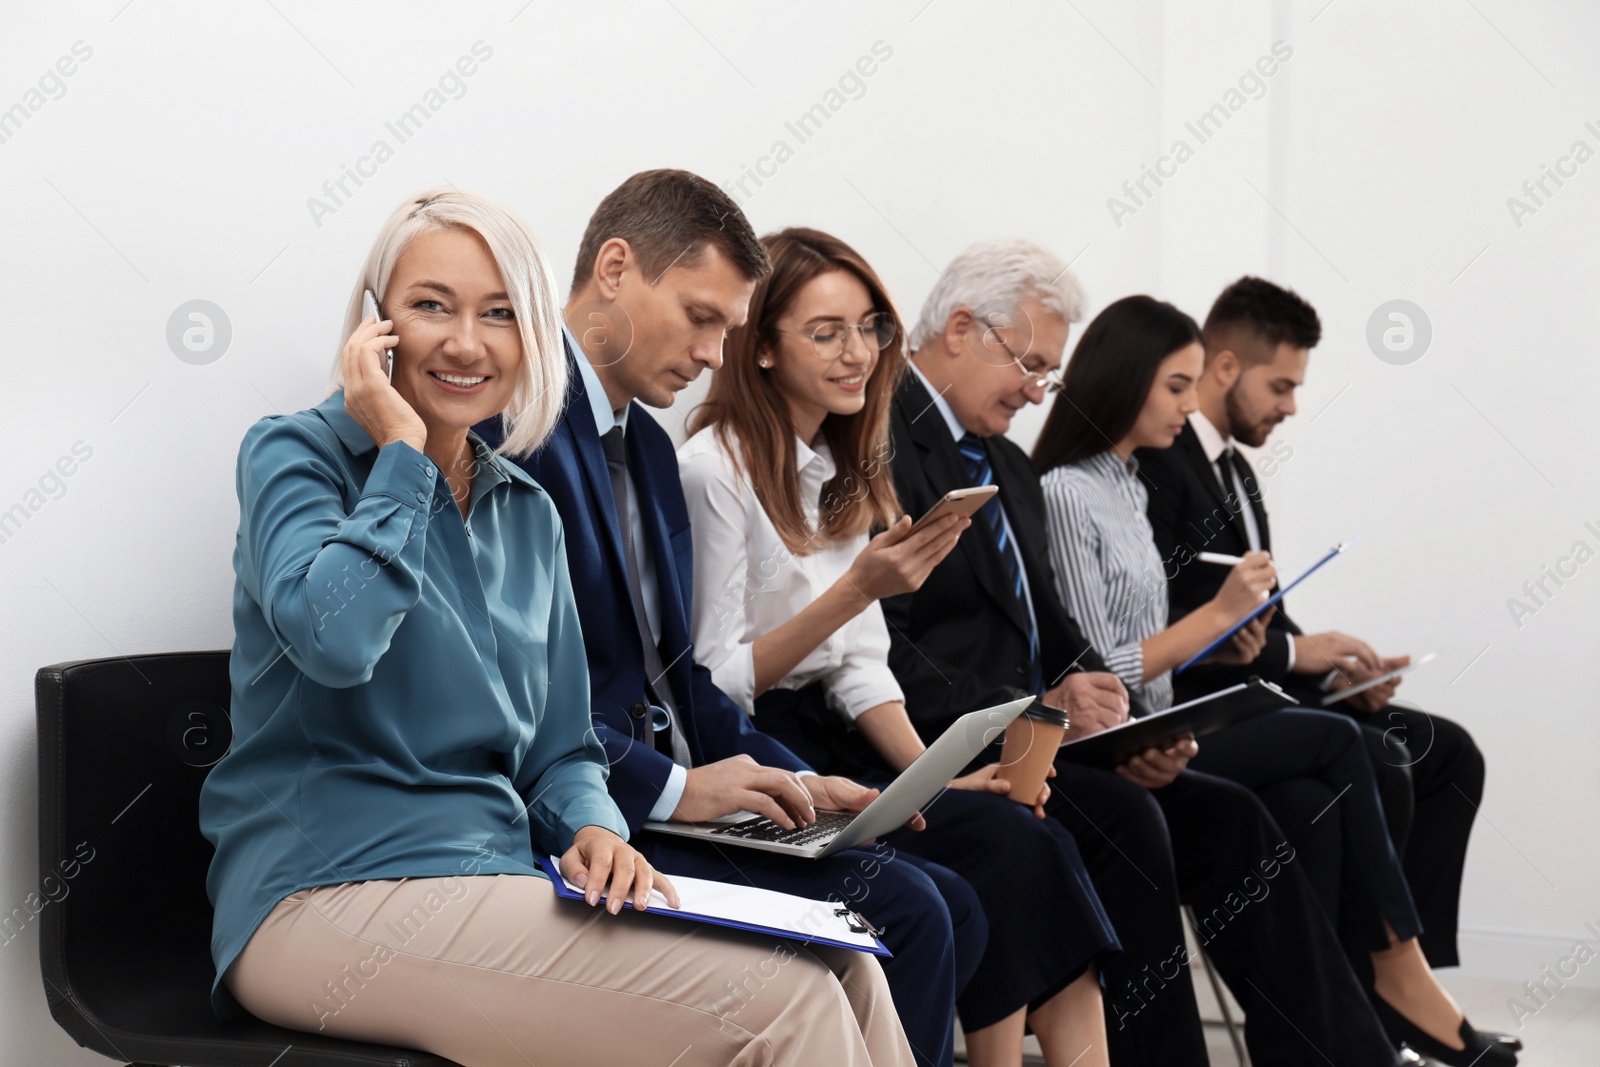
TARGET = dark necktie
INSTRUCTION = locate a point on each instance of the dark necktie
(657, 688)
(1230, 487)
(981, 472)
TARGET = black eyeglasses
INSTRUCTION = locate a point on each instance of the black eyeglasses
(829, 339)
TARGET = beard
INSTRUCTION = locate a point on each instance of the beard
(1240, 428)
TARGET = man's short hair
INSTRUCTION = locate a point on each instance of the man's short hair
(669, 217)
(1256, 309)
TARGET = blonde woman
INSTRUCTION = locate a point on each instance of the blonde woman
(410, 708)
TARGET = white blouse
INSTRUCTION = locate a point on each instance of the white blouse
(748, 583)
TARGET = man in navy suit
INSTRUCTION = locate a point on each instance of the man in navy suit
(667, 266)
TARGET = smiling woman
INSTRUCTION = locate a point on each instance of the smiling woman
(411, 716)
(493, 323)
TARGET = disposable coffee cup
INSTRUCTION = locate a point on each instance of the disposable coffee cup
(1030, 749)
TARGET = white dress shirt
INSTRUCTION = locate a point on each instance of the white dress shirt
(1214, 443)
(747, 583)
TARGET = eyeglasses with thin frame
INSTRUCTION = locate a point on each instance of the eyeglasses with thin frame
(830, 338)
(1051, 379)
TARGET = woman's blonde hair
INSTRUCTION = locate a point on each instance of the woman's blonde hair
(542, 389)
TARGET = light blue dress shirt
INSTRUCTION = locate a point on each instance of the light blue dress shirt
(604, 421)
(410, 690)
(958, 431)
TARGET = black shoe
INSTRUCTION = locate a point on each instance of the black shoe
(1480, 1050)
(1510, 1041)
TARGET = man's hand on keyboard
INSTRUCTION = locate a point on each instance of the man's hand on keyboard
(841, 794)
(739, 783)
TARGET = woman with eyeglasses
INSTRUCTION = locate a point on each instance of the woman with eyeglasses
(785, 473)
(411, 720)
(1130, 384)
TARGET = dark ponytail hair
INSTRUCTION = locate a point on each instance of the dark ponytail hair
(1108, 378)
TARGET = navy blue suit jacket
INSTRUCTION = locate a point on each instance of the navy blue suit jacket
(571, 467)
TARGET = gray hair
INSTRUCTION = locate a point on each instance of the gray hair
(994, 275)
(541, 391)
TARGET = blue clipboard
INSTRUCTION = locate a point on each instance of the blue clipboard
(876, 946)
(1279, 595)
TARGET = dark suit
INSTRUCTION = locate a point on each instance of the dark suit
(1430, 772)
(961, 642)
(934, 924)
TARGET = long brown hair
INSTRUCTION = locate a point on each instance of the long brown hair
(751, 417)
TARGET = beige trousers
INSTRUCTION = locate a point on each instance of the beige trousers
(497, 971)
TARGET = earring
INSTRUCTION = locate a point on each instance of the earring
(764, 364)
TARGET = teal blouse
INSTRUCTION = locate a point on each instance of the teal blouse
(410, 691)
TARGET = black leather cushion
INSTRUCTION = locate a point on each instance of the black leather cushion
(125, 933)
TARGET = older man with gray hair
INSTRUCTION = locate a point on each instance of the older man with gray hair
(988, 626)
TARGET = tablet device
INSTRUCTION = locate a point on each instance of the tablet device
(1362, 687)
(1109, 749)
(964, 502)
(1265, 604)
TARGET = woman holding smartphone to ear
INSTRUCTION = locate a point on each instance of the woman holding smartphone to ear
(411, 720)
(1131, 384)
(784, 475)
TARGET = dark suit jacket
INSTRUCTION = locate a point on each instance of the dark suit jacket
(1190, 514)
(571, 467)
(961, 641)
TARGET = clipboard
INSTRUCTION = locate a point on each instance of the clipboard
(742, 907)
(1110, 748)
(1336, 550)
(1362, 687)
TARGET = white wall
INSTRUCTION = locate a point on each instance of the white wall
(178, 162)
(1388, 146)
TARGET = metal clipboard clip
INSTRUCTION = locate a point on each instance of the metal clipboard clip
(857, 924)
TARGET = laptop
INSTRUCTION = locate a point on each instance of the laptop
(835, 830)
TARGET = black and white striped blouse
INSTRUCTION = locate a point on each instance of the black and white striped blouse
(1107, 567)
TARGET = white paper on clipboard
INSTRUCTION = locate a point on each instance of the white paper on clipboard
(743, 907)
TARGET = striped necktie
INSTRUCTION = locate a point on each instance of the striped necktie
(981, 472)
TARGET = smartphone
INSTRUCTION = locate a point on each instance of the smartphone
(1334, 698)
(369, 307)
(965, 502)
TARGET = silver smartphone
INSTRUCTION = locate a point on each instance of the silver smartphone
(369, 307)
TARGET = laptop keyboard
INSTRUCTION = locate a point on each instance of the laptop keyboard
(761, 828)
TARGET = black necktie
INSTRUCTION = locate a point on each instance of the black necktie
(981, 472)
(1230, 486)
(657, 688)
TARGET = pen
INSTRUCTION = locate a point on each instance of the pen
(1219, 557)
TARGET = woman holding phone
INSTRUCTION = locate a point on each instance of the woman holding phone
(1131, 384)
(785, 472)
(411, 724)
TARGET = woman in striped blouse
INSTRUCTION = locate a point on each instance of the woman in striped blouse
(1131, 384)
